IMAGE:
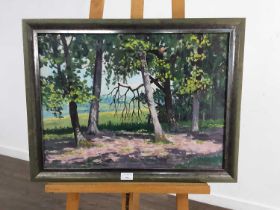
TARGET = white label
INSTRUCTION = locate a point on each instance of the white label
(126, 176)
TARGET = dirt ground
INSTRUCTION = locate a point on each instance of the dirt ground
(128, 150)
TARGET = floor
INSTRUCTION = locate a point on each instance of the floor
(18, 193)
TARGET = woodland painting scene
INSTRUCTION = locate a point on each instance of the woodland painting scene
(133, 101)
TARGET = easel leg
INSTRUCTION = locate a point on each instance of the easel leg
(125, 201)
(182, 201)
(72, 201)
(134, 201)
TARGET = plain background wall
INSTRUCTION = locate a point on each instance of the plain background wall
(259, 167)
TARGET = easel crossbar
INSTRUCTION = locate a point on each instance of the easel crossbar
(108, 187)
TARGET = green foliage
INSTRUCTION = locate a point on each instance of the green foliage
(52, 98)
(62, 60)
(198, 81)
(162, 69)
(122, 58)
(135, 45)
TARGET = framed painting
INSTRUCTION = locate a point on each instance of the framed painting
(159, 99)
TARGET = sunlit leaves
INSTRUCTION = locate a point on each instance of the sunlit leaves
(193, 77)
(194, 41)
(194, 56)
(198, 81)
(135, 44)
(52, 98)
(63, 83)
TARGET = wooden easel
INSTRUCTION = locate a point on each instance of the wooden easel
(130, 191)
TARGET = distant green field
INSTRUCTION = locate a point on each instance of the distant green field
(57, 128)
(84, 109)
(60, 128)
(104, 119)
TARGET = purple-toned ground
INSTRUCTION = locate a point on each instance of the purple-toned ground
(110, 150)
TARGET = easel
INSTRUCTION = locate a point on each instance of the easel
(130, 191)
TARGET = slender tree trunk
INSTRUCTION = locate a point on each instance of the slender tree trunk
(79, 137)
(203, 116)
(67, 62)
(75, 123)
(169, 106)
(195, 96)
(195, 113)
(159, 134)
(97, 78)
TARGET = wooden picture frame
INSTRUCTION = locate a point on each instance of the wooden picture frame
(235, 27)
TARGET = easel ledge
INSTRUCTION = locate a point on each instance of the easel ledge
(124, 187)
(130, 191)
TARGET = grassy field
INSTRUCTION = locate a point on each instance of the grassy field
(56, 128)
(84, 108)
(104, 118)
(60, 128)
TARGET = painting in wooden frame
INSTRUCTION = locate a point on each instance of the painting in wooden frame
(156, 98)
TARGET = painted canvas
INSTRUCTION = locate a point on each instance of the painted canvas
(156, 98)
(133, 101)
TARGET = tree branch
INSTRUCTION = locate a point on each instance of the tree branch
(156, 82)
(129, 105)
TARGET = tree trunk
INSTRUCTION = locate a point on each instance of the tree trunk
(169, 106)
(195, 96)
(195, 113)
(79, 137)
(159, 134)
(203, 116)
(67, 63)
(97, 78)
